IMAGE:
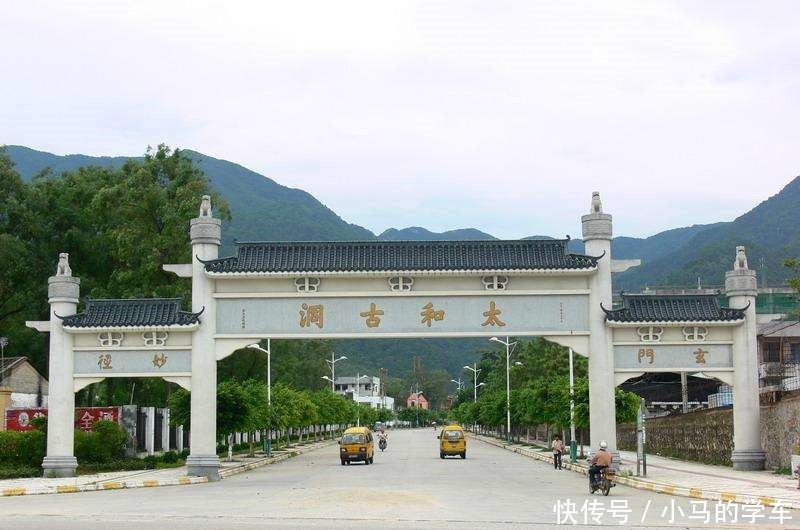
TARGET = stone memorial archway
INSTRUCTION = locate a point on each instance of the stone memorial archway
(387, 289)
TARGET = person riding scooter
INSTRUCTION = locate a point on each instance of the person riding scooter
(599, 461)
(383, 439)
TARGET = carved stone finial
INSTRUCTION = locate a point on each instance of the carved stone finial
(597, 204)
(741, 259)
(205, 206)
(63, 265)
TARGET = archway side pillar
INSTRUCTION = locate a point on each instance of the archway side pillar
(741, 288)
(63, 292)
(205, 233)
(597, 233)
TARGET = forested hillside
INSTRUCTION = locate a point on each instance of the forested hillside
(262, 209)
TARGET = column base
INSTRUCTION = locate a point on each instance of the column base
(748, 460)
(203, 466)
(59, 466)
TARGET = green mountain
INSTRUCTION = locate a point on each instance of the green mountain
(417, 233)
(770, 231)
(261, 208)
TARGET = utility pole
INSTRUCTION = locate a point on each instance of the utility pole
(684, 392)
(573, 444)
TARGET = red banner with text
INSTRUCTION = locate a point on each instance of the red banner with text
(85, 417)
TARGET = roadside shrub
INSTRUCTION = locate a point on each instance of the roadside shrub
(170, 457)
(20, 449)
(105, 442)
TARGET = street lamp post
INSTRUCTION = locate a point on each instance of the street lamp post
(509, 349)
(573, 444)
(359, 377)
(268, 352)
(332, 363)
(459, 383)
(474, 369)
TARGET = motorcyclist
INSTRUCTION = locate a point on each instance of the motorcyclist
(599, 461)
(383, 436)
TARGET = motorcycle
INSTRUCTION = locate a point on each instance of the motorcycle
(382, 444)
(605, 483)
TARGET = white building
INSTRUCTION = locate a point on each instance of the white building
(368, 391)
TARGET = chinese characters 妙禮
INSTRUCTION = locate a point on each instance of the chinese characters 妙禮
(312, 314)
(104, 361)
(159, 360)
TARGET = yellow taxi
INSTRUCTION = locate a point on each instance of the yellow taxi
(452, 442)
(356, 445)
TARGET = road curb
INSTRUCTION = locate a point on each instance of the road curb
(644, 484)
(225, 473)
(153, 483)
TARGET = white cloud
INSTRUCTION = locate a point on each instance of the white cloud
(498, 115)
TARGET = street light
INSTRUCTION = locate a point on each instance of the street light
(474, 369)
(509, 349)
(358, 395)
(458, 382)
(573, 448)
(332, 364)
(268, 352)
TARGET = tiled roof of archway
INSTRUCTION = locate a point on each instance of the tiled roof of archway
(356, 256)
(137, 312)
(672, 308)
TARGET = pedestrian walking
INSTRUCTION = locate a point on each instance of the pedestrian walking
(558, 450)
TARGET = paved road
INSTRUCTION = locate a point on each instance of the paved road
(407, 487)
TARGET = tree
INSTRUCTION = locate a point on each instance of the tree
(119, 225)
(793, 264)
(236, 408)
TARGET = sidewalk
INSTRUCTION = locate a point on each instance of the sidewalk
(687, 479)
(147, 478)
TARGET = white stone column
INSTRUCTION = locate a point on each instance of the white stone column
(165, 430)
(205, 233)
(179, 438)
(597, 235)
(63, 291)
(741, 288)
(150, 430)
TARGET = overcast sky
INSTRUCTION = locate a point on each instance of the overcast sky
(503, 116)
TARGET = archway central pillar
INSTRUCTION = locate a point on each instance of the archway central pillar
(205, 233)
(63, 291)
(597, 233)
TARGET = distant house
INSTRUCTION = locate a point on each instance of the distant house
(779, 358)
(26, 385)
(368, 391)
(417, 400)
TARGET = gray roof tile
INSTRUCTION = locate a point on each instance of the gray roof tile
(288, 257)
(138, 312)
(672, 308)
